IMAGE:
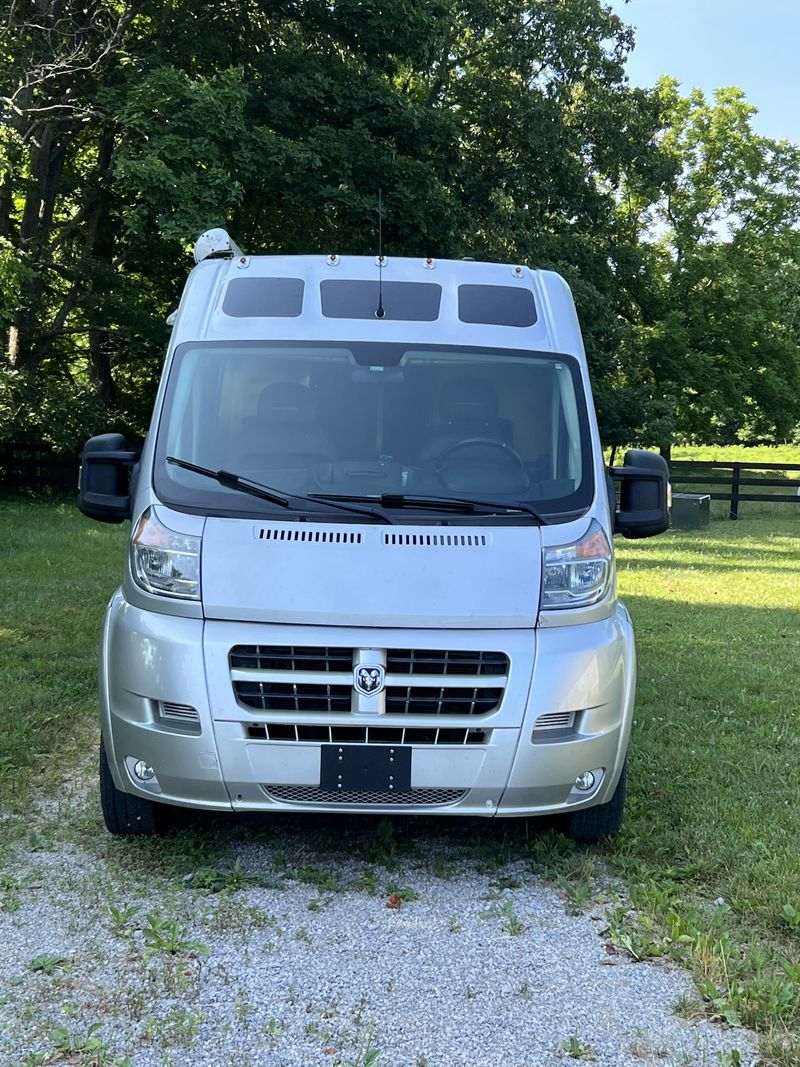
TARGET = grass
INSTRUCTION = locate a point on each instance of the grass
(739, 453)
(710, 852)
(57, 570)
(716, 745)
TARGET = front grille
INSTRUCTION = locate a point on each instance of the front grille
(366, 735)
(430, 682)
(288, 696)
(304, 795)
(423, 700)
(291, 658)
(431, 661)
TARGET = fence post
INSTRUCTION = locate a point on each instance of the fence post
(737, 470)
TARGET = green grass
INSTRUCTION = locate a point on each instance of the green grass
(713, 814)
(716, 749)
(739, 453)
(57, 571)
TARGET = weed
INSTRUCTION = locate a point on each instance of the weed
(47, 964)
(578, 893)
(635, 933)
(453, 925)
(688, 1007)
(9, 892)
(369, 881)
(302, 935)
(723, 1004)
(223, 880)
(168, 935)
(121, 917)
(404, 892)
(366, 1054)
(575, 1048)
(318, 903)
(791, 916)
(318, 877)
(382, 847)
(179, 1027)
(730, 1059)
(89, 1048)
(511, 922)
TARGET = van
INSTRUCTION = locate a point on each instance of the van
(371, 562)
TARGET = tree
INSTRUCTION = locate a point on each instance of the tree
(713, 319)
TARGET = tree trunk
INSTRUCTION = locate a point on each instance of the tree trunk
(47, 156)
(666, 451)
(100, 246)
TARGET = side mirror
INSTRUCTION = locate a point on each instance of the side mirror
(643, 510)
(103, 487)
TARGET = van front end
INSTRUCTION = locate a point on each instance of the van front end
(488, 706)
(371, 562)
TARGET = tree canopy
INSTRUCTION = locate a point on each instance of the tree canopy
(496, 129)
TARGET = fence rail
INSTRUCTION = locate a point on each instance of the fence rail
(693, 472)
(35, 467)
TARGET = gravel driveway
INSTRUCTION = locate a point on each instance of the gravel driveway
(342, 941)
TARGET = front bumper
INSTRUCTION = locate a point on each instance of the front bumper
(149, 658)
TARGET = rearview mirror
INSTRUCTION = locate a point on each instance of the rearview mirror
(643, 510)
(103, 488)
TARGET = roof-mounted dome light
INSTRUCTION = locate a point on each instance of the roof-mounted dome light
(215, 242)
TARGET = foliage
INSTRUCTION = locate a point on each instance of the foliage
(48, 411)
(500, 130)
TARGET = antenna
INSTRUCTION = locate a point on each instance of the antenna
(379, 314)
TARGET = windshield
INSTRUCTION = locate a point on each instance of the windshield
(369, 419)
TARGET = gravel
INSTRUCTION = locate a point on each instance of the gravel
(480, 965)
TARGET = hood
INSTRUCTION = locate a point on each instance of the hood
(371, 575)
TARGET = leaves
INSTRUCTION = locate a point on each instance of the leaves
(501, 130)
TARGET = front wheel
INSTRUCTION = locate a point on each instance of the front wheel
(125, 813)
(590, 825)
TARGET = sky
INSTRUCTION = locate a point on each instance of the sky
(754, 44)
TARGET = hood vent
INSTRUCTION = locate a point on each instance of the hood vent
(444, 540)
(317, 537)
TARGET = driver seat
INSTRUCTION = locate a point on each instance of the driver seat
(467, 409)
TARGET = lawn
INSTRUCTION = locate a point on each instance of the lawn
(57, 571)
(711, 847)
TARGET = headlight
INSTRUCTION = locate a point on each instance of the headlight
(578, 574)
(165, 562)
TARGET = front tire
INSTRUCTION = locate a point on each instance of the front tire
(591, 825)
(124, 813)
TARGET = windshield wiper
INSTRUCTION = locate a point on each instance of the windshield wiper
(264, 492)
(461, 505)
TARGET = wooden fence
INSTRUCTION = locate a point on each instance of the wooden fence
(37, 467)
(739, 479)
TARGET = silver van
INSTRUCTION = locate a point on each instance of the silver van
(371, 564)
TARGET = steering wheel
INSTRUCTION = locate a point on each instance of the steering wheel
(507, 451)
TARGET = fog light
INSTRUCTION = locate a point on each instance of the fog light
(143, 771)
(585, 781)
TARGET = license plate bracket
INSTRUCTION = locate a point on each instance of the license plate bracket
(369, 768)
